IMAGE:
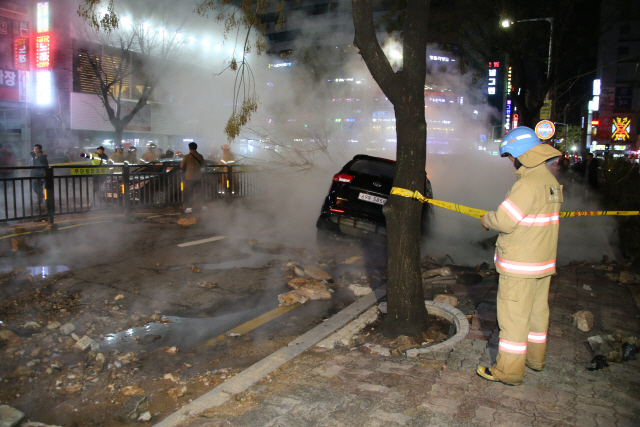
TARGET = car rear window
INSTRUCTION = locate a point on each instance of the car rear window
(374, 168)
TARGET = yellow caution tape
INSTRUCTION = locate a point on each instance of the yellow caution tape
(479, 213)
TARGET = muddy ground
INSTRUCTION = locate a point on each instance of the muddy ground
(82, 346)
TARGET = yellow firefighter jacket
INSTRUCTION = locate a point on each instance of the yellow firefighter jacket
(528, 220)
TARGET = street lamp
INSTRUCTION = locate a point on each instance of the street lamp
(506, 23)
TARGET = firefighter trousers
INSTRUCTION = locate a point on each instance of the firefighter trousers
(523, 318)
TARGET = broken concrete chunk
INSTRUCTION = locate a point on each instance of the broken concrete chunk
(195, 269)
(32, 325)
(191, 221)
(583, 319)
(628, 277)
(359, 290)
(170, 350)
(9, 416)
(317, 274)
(19, 244)
(177, 392)
(7, 335)
(53, 325)
(144, 417)
(293, 297)
(376, 349)
(132, 390)
(67, 328)
(444, 272)
(447, 299)
(310, 288)
(84, 343)
(119, 297)
(171, 377)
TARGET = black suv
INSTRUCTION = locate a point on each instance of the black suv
(357, 194)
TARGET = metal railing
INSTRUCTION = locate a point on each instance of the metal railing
(80, 188)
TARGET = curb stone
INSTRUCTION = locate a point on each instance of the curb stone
(245, 379)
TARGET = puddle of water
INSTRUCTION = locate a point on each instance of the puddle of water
(253, 260)
(183, 333)
(43, 270)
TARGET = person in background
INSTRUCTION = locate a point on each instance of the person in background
(8, 160)
(169, 154)
(131, 156)
(118, 156)
(38, 158)
(98, 158)
(227, 156)
(591, 171)
(151, 154)
(528, 222)
(192, 164)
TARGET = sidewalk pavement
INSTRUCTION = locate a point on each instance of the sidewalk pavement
(349, 388)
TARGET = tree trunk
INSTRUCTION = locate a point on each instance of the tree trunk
(118, 137)
(407, 314)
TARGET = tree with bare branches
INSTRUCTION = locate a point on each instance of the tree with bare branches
(128, 63)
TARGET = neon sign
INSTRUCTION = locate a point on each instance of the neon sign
(620, 128)
(43, 87)
(515, 121)
(507, 116)
(42, 17)
(43, 51)
(20, 55)
(493, 78)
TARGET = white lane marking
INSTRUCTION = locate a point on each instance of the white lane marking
(197, 242)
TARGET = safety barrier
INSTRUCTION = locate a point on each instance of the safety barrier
(71, 189)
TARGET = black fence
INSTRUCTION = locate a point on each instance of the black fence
(33, 192)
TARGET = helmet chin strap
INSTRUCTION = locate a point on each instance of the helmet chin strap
(517, 163)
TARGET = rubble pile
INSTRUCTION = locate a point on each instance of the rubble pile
(51, 348)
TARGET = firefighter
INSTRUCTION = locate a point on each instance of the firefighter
(151, 154)
(528, 222)
(227, 157)
(117, 157)
(131, 157)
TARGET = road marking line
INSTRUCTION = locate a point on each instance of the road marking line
(86, 223)
(197, 242)
(253, 323)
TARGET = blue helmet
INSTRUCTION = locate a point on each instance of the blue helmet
(518, 141)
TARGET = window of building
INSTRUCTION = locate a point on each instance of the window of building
(625, 29)
(623, 51)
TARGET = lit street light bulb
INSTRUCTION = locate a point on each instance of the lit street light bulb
(505, 23)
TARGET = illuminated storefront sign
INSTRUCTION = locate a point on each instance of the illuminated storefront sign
(515, 121)
(440, 58)
(507, 116)
(509, 81)
(20, 53)
(282, 64)
(493, 77)
(8, 78)
(43, 87)
(42, 17)
(620, 128)
(43, 78)
(43, 51)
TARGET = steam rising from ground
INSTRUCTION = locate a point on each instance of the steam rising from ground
(306, 158)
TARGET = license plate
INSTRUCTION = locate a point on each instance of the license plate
(373, 199)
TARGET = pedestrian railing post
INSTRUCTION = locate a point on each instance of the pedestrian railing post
(125, 188)
(229, 182)
(49, 194)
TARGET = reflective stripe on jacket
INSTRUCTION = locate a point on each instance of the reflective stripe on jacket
(528, 222)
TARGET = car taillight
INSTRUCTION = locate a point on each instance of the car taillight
(342, 177)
